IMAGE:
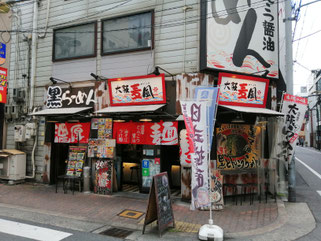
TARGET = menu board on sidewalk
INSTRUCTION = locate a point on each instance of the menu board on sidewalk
(76, 160)
(104, 176)
(159, 203)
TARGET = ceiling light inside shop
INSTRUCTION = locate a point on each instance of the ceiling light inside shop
(118, 120)
(238, 119)
(145, 119)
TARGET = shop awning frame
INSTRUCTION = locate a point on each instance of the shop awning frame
(253, 110)
(128, 109)
(60, 111)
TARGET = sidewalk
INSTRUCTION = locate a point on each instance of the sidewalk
(96, 213)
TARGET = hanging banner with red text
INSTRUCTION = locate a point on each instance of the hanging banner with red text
(196, 113)
(72, 132)
(3, 85)
(122, 132)
(150, 133)
(294, 108)
(185, 155)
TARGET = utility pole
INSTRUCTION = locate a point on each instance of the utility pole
(289, 87)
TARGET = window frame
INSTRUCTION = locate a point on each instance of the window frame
(94, 54)
(133, 49)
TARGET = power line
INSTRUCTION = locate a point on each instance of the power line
(309, 35)
(193, 19)
(296, 62)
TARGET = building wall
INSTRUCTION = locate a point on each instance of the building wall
(5, 38)
(176, 48)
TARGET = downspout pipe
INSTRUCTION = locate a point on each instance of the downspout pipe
(33, 161)
(33, 55)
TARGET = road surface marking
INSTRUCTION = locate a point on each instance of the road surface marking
(319, 192)
(313, 171)
(31, 231)
(308, 149)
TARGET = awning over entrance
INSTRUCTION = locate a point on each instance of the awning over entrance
(132, 108)
(60, 111)
(253, 110)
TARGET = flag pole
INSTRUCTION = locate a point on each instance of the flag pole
(210, 230)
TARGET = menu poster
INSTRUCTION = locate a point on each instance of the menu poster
(101, 148)
(101, 128)
(76, 160)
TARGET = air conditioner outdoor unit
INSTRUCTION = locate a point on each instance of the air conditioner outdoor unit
(7, 111)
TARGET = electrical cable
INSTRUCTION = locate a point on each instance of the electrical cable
(173, 23)
(297, 49)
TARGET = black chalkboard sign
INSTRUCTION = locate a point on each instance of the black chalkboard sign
(159, 203)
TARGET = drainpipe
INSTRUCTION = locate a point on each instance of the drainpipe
(33, 55)
(33, 161)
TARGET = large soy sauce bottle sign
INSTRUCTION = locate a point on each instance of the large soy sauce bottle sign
(159, 203)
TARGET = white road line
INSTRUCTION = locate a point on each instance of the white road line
(313, 171)
(31, 231)
(308, 149)
(319, 192)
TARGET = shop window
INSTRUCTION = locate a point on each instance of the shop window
(129, 33)
(75, 42)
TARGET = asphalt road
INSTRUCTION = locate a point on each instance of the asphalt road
(308, 186)
(20, 229)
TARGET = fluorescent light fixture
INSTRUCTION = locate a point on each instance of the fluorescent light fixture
(118, 120)
(145, 119)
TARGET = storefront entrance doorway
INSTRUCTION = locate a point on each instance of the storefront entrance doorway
(59, 157)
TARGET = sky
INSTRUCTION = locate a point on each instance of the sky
(307, 51)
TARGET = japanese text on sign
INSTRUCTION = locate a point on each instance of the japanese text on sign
(294, 108)
(241, 37)
(242, 90)
(140, 90)
(58, 97)
(196, 113)
(237, 146)
(157, 133)
(72, 132)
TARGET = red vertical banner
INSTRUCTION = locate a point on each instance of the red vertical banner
(3, 85)
(122, 132)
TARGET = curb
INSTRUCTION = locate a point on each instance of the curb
(280, 221)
